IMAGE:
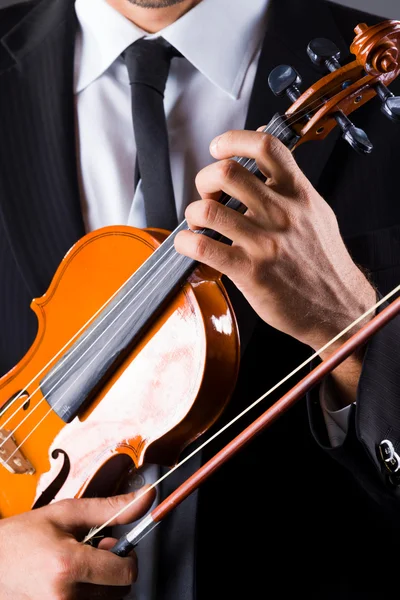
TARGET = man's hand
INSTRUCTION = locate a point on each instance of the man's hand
(287, 255)
(41, 557)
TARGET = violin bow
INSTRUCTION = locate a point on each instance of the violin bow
(130, 540)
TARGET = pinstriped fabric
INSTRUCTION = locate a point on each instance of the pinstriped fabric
(17, 321)
(40, 216)
(40, 201)
(310, 497)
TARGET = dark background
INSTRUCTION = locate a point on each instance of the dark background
(385, 8)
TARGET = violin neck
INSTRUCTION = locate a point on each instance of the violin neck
(279, 128)
(102, 346)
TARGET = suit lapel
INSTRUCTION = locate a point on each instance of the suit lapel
(290, 27)
(39, 194)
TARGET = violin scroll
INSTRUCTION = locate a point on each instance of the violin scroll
(377, 48)
(329, 102)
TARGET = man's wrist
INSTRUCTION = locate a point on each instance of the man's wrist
(346, 326)
(344, 381)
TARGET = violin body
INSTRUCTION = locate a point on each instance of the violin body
(176, 372)
(168, 390)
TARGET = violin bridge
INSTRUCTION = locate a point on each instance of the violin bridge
(11, 457)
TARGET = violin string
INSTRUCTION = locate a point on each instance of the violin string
(51, 409)
(58, 367)
(299, 114)
(289, 124)
(84, 326)
(89, 348)
(244, 412)
(68, 371)
(96, 339)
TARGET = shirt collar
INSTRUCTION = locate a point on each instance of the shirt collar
(218, 37)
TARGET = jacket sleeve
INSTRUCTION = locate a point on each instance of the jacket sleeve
(374, 417)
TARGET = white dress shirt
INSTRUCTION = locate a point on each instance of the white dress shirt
(336, 419)
(207, 94)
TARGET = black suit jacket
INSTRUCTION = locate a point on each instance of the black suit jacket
(283, 518)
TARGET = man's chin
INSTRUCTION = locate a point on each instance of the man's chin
(155, 3)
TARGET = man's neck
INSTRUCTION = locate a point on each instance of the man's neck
(152, 19)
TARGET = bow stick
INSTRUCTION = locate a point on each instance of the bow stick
(132, 538)
(127, 542)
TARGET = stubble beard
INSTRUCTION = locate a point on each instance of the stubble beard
(155, 3)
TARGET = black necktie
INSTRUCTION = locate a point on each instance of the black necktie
(148, 63)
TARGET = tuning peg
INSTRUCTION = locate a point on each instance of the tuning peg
(285, 80)
(390, 103)
(324, 54)
(356, 137)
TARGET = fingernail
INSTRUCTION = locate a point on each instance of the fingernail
(214, 145)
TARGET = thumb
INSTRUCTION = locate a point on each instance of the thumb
(84, 513)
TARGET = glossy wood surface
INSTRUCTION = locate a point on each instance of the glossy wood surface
(377, 61)
(170, 389)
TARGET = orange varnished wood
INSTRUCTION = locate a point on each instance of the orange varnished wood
(377, 47)
(171, 388)
(377, 60)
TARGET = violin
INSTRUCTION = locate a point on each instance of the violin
(144, 358)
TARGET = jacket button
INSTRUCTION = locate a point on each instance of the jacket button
(386, 450)
(391, 461)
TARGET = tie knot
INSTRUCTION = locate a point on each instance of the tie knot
(148, 62)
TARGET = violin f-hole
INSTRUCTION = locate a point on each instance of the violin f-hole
(21, 395)
(52, 490)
